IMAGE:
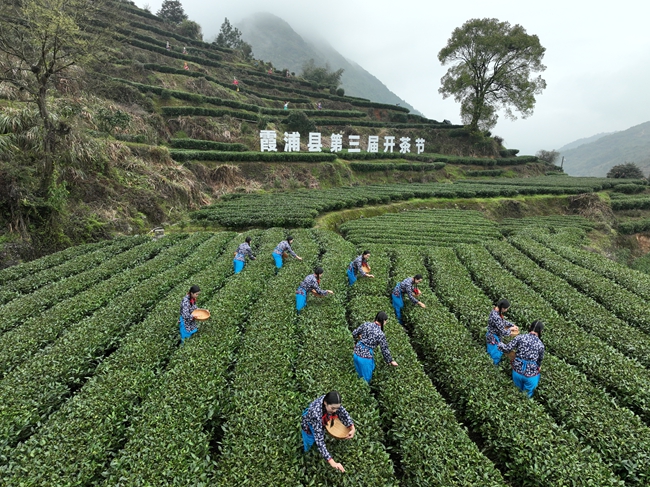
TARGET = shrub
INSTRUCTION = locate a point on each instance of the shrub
(629, 170)
(298, 121)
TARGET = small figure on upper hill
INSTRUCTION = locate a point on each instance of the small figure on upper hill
(370, 335)
(323, 410)
(311, 283)
(184, 50)
(359, 266)
(240, 256)
(186, 67)
(288, 74)
(168, 46)
(236, 83)
(527, 365)
(408, 286)
(286, 105)
(497, 328)
(270, 71)
(186, 321)
(319, 106)
(281, 251)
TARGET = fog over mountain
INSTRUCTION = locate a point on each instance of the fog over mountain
(583, 141)
(275, 40)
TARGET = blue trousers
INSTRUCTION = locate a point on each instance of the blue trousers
(239, 266)
(278, 260)
(364, 367)
(398, 304)
(494, 353)
(307, 438)
(301, 301)
(351, 277)
(525, 384)
(184, 333)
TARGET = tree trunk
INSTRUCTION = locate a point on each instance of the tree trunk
(49, 138)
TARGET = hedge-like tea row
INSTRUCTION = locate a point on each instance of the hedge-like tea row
(75, 445)
(210, 155)
(325, 363)
(30, 305)
(264, 381)
(152, 40)
(162, 45)
(515, 225)
(623, 303)
(31, 283)
(630, 204)
(313, 113)
(634, 226)
(506, 422)
(433, 448)
(485, 173)
(391, 166)
(615, 433)
(34, 333)
(632, 280)
(161, 50)
(563, 181)
(333, 122)
(625, 378)
(186, 40)
(37, 388)
(207, 112)
(194, 144)
(573, 305)
(26, 269)
(170, 437)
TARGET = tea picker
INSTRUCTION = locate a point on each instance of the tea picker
(359, 266)
(409, 287)
(497, 328)
(529, 353)
(326, 412)
(240, 256)
(190, 315)
(310, 284)
(371, 335)
(280, 252)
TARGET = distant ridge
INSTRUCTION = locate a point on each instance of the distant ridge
(275, 40)
(598, 157)
(583, 141)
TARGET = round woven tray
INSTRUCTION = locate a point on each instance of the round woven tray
(200, 314)
(338, 430)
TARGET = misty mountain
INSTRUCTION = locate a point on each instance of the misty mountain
(597, 158)
(583, 141)
(274, 40)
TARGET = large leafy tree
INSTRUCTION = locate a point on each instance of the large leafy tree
(492, 66)
(321, 75)
(629, 170)
(172, 11)
(41, 44)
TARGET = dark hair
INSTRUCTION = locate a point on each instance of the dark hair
(248, 239)
(318, 270)
(538, 327)
(289, 238)
(381, 317)
(418, 276)
(195, 289)
(365, 252)
(503, 304)
(332, 397)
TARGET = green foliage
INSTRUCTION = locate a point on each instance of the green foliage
(191, 29)
(110, 119)
(298, 121)
(340, 92)
(172, 11)
(629, 170)
(321, 75)
(207, 112)
(389, 166)
(510, 153)
(229, 36)
(634, 226)
(549, 156)
(492, 67)
(186, 57)
(631, 188)
(205, 47)
(222, 156)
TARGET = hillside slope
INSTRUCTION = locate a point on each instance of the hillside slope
(274, 40)
(597, 158)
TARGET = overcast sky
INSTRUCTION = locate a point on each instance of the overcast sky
(597, 54)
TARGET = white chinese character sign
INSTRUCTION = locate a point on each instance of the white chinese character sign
(291, 142)
(268, 143)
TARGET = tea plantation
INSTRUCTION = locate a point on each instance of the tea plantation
(95, 389)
